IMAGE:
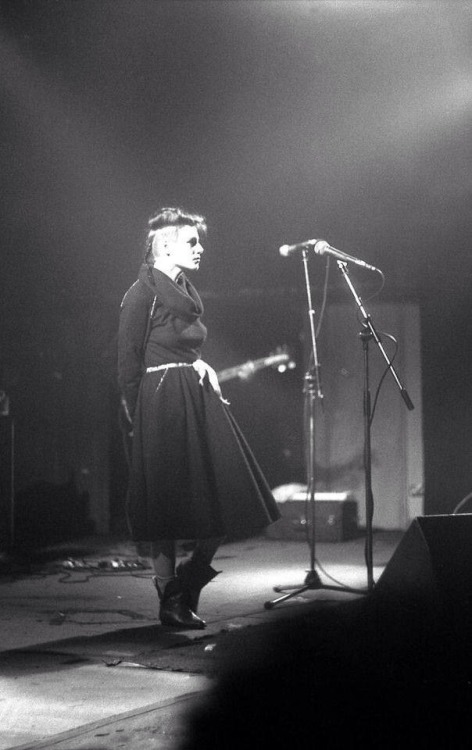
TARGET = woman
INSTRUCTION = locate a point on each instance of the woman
(192, 473)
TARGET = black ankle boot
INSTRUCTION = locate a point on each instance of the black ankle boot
(193, 576)
(174, 609)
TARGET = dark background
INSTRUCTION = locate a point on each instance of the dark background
(280, 121)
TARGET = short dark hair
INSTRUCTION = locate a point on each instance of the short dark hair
(173, 217)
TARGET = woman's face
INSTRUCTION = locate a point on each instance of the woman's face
(181, 249)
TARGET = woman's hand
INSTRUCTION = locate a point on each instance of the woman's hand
(204, 370)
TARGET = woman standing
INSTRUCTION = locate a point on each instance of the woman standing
(192, 474)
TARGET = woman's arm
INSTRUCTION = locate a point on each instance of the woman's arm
(133, 325)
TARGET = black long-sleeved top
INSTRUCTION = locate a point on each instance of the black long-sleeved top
(159, 323)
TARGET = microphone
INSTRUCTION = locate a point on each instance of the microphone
(321, 247)
(287, 250)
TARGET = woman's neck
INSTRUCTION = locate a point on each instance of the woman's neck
(167, 267)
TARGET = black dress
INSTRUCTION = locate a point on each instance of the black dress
(192, 475)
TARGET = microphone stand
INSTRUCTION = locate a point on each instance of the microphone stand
(312, 392)
(367, 334)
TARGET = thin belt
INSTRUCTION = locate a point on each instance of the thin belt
(168, 365)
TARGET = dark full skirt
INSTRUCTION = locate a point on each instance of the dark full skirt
(193, 475)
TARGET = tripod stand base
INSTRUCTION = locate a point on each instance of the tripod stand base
(312, 581)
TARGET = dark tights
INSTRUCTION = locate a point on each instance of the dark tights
(163, 553)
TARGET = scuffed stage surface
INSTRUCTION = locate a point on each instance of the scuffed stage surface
(85, 663)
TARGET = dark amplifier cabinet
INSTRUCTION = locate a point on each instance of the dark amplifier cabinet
(336, 518)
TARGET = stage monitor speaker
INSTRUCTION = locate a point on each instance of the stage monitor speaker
(434, 558)
(425, 590)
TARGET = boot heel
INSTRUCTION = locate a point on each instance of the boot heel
(194, 577)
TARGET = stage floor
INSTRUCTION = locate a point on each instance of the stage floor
(81, 642)
(85, 663)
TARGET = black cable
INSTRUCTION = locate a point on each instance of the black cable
(377, 393)
(462, 503)
(317, 562)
